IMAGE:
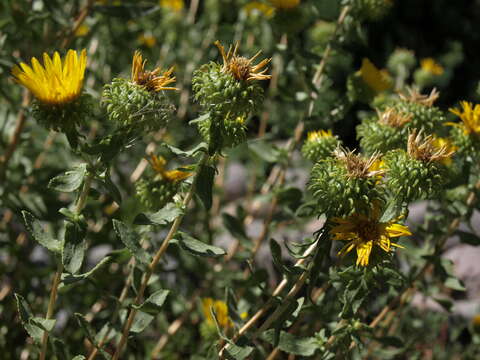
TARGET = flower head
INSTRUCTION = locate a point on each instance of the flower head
(363, 232)
(221, 312)
(158, 164)
(285, 4)
(414, 96)
(470, 116)
(428, 149)
(393, 118)
(377, 80)
(358, 166)
(57, 82)
(151, 80)
(316, 135)
(240, 67)
(430, 66)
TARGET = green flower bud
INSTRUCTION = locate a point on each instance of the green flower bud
(156, 193)
(319, 145)
(228, 93)
(401, 61)
(137, 106)
(420, 107)
(133, 108)
(467, 145)
(346, 183)
(208, 331)
(219, 93)
(384, 132)
(421, 171)
(66, 117)
(222, 132)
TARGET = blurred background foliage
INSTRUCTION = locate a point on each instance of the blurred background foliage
(181, 34)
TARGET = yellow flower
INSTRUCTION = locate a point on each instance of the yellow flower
(158, 164)
(173, 5)
(440, 143)
(150, 79)
(285, 4)
(363, 232)
(431, 66)
(377, 80)
(147, 40)
(82, 30)
(240, 67)
(54, 83)
(317, 135)
(470, 116)
(221, 312)
(257, 7)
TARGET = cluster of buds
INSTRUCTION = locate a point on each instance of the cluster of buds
(390, 128)
(347, 183)
(138, 105)
(159, 189)
(228, 93)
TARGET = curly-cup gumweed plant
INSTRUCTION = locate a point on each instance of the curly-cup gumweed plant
(272, 179)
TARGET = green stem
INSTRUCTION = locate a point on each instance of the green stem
(151, 267)
(82, 198)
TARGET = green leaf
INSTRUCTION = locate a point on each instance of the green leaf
(154, 302)
(45, 324)
(79, 357)
(468, 238)
(68, 279)
(235, 352)
(234, 226)
(132, 241)
(264, 150)
(86, 327)
(33, 329)
(290, 197)
(70, 180)
(196, 247)
(202, 147)
(142, 320)
(205, 185)
(291, 344)
(73, 246)
(454, 283)
(164, 216)
(41, 236)
(390, 341)
(110, 188)
(392, 211)
(276, 252)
